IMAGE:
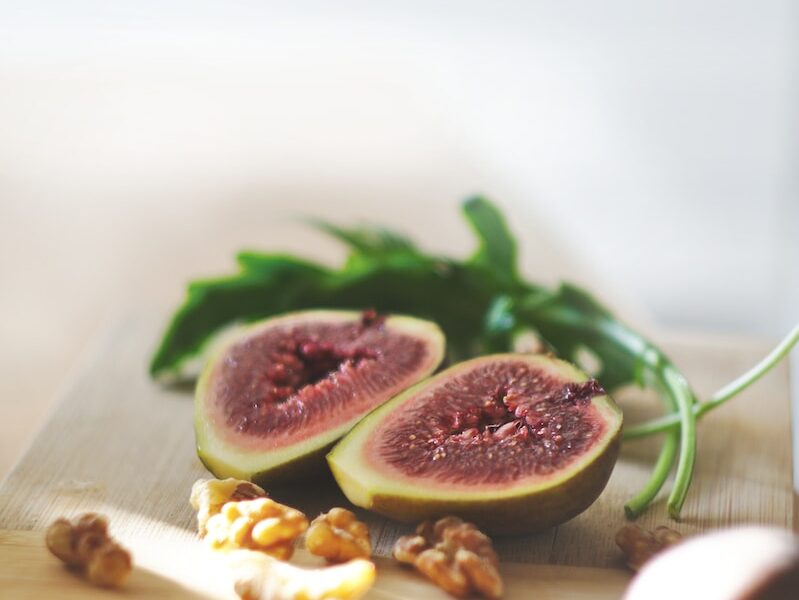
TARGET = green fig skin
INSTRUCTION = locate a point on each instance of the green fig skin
(308, 467)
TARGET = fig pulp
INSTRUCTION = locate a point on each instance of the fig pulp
(513, 443)
(276, 394)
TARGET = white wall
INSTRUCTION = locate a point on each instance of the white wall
(659, 140)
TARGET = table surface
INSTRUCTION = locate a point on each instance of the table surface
(122, 445)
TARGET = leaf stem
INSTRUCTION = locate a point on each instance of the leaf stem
(676, 395)
(685, 464)
(670, 421)
(636, 505)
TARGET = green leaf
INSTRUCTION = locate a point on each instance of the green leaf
(497, 248)
(275, 265)
(367, 240)
(500, 320)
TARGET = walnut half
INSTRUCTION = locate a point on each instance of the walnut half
(208, 496)
(338, 536)
(639, 544)
(454, 555)
(234, 514)
(84, 543)
(260, 524)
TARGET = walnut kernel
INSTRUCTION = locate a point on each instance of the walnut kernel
(338, 536)
(639, 544)
(209, 495)
(260, 524)
(454, 555)
(85, 543)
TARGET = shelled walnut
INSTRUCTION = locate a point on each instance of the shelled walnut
(455, 556)
(338, 536)
(639, 544)
(209, 495)
(260, 524)
(259, 577)
(84, 543)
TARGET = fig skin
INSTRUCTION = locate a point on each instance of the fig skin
(528, 509)
(744, 563)
(528, 513)
(307, 467)
(304, 459)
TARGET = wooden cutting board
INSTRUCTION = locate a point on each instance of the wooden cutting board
(124, 446)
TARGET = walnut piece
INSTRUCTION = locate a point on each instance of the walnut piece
(84, 543)
(209, 495)
(260, 524)
(338, 536)
(639, 544)
(454, 555)
(259, 577)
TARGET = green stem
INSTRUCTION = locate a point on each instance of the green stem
(685, 464)
(677, 397)
(670, 421)
(636, 505)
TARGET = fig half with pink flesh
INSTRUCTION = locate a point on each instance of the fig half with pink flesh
(276, 394)
(514, 443)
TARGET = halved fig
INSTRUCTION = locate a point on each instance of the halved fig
(514, 443)
(276, 394)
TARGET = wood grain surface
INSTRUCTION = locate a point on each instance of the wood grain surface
(122, 445)
(182, 570)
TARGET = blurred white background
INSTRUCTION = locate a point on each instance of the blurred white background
(652, 145)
